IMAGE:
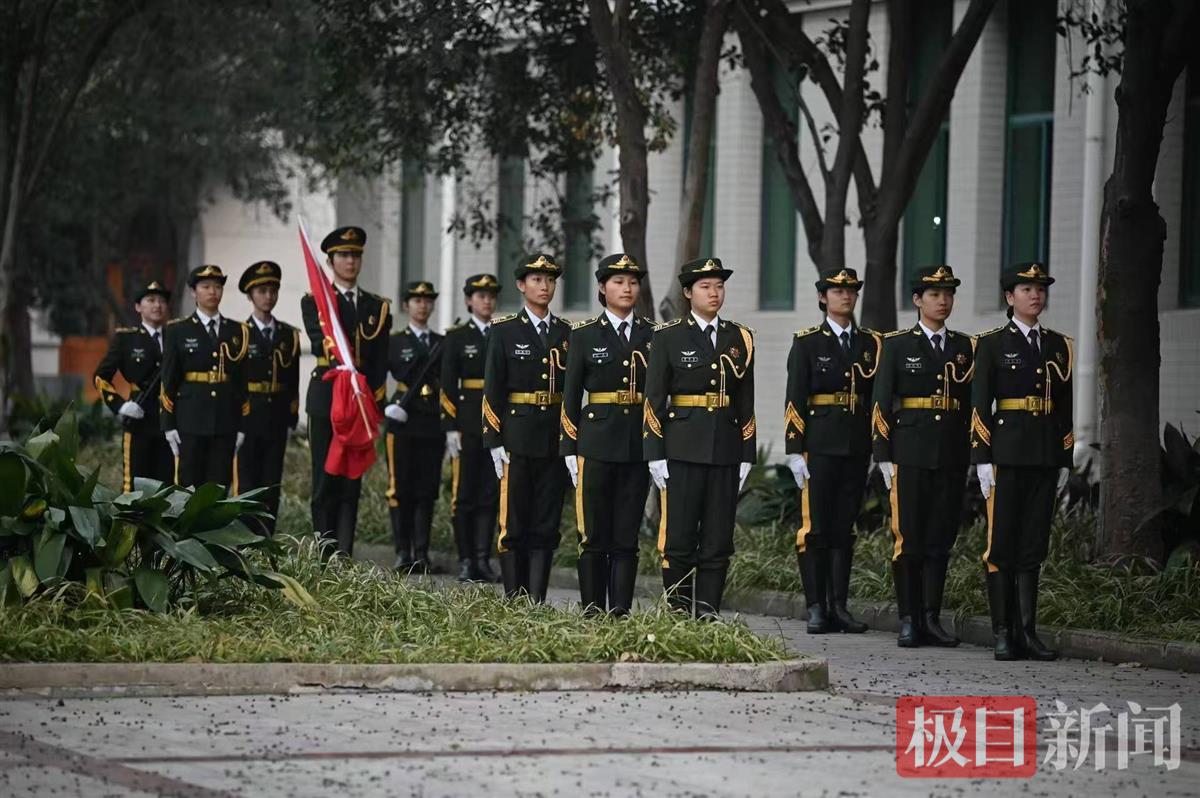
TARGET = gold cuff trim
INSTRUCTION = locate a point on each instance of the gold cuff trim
(651, 420)
(981, 431)
(447, 405)
(569, 429)
(749, 429)
(792, 418)
(489, 415)
(1069, 441)
(881, 426)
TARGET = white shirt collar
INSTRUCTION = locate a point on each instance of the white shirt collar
(616, 320)
(151, 329)
(205, 318)
(418, 331)
(535, 318)
(838, 329)
(263, 326)
(930, 333)
(1025, 328)
(716, 322)
(353, 292)
(480, 323)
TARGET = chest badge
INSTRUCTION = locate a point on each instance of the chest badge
(823, 359)
(370, 319)
(867, 357)
(237, 341)
(735, 352)
(1059, 357)
(960, 359)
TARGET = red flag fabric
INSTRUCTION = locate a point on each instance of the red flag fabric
(354, 416)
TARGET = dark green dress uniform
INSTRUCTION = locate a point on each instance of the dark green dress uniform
(1021, 423)
(605, 435)
(366, 320)
(203, 392)
(473, 484)
(919, 416)
(699, 417)
(522, 398)
(827, 420)
(136, 353)
(416, 447)
(273, 388)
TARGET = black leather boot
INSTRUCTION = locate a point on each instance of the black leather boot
(812, 575)
(593, 581)
(1027, 594)
(902, 576)
(463, 545)
(622, 577)
(678, 584)
(422, 530)
(710, 585)
(933, 578)
(840, 561)
(484, 526)
(401, 540)
(998, 602)
(540, 563)
(347, 520)
(514, 571)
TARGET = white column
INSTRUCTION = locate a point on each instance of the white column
(446, 256)
(1089, 266)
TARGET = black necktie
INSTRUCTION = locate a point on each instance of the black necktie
(623, 331)
(845, 337)
(158, 341)
(424, 339)
(709, 336)
(937, 342)
(486, 329)
(1033, 341)
(541, 328)
(212, 329)
(267, 333)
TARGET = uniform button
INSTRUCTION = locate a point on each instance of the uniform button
(714, 366)
(671, 415)
(591, 415)
(937, 417)
(461, 397)
(1039, 371)
(1037, 385)
(812, 412)
(543, 376)
(847, 374)
(1014, 368)
(625, 411)
(214, 368)
(625, 380)
(711, 409)
(544, 360)
(512, 412)
(712, 382)
(624, 362)
(939, 390)
(214, 393)
(214, 354)
(1001, 421)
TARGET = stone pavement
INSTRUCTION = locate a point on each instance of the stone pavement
(576, 744)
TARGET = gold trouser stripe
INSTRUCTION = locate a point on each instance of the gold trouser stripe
(204, 376)
(455, 463)
(500, 547)
(805, 515)
(895, 499)
(126, 445)
(580, 515)
(177, 470)
(390, 493)
(472, 383)
(234, 488)
(662, 528)
(991, 512)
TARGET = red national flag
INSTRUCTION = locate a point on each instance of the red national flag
(354, 415)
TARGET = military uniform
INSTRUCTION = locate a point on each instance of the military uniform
(473, 483)
(203, 391)
(273, 389)
(605, 436)
(136, 352)
(699, 417)
(522, 398)
(366, 320)
(414, 448)
(827, 420)
(1021, 424)
(919, 415)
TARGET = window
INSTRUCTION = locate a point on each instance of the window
(578, 221)
(1189, 254)
(412, 224)
(706, 230)
(1030, 116)
(510, 217)
(925, 217)
(777, 247)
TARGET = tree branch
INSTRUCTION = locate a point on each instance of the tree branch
(850, 120)
(895, 115)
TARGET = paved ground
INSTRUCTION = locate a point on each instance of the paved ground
(577, 744)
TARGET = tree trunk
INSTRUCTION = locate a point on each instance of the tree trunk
(19, 341)
(1131, 253)
(878, 308)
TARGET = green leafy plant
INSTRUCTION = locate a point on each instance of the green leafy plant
(1179, 514)
(94, 420)
(147, 548)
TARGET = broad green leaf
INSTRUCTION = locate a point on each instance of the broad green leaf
(48, 555)
(121, 537)
(67, 430)
(205, 497)
(120, 595)
(146, 486)
(23, 575)
(293, 591)
(13, 476)
(188, 551)
(153, 587)
(235, 564)
(39, 445)
(87, 523)
(235, 534)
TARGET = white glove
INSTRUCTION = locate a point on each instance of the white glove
(241, 438)
(173, 440)
(499, 458)
(799, 469)
(454, 444)
(658, 473)
(885, 468)
(743, 472)
(132, 410)
(396, 413)
(572, 469)
(987, 479)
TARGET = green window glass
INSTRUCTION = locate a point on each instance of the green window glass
(412, 224)
(1030, 130)
(1189, 254)
(706, 231)
(777, 228)
(925, 216)
(578, 284)
(510, 216)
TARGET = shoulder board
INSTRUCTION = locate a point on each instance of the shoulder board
(178, 320)
(807, 331)
(283, 325)
(561, 320)
(1056, 332)
(993, 331)
(745, 327)
(869, 331)
(455, 327)
(667, 324)
(125, 330)
(643, 320)
(502, 319)
(585, 322)
(894, 333)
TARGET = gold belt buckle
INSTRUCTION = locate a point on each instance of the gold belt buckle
(842, 398)
(938, 402)
(624, 397)
(712, 400)
(541, 397)
(1035, 404)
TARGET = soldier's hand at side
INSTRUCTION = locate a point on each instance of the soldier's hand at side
(799, 469)
(743, 472)
(885, 468)
(987, 478)
(572, 469)
(241, 438)
(454, 444)
(396, 413)
(658, 473)
(173, 440)
(499, 458)
(132, 410)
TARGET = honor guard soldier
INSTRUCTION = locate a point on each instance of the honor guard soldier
(473, 483)
(203, 392)
(366, 321)
(136, 352)
(522, 398)
(272, 386)
(415, 443)
(602, 440)
(828, 444)
(699, 436)
(1021, 435)
(919, 419)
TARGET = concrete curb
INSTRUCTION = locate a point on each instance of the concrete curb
(83, 679)
(1087, 644)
